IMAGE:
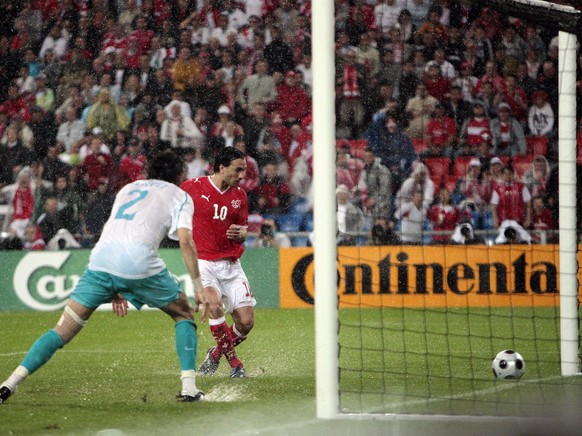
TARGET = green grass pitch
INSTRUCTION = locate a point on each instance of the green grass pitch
(120, 376)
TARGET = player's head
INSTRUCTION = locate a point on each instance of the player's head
(167, 166)
(230, 165)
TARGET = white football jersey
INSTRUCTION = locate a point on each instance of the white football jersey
(143, 213)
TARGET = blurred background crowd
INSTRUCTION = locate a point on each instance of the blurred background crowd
(446, 115)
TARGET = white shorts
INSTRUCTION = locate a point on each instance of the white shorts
(229, 279)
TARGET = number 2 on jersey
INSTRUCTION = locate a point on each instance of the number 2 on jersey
(122, 212)
(222, 215)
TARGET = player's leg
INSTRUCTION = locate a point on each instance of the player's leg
(163, 292)
(221, 333)
(182, 313)
(73, 319)
(239, 301)
(243, 321)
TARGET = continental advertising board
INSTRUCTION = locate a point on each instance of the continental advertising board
(432, 276)
(43, 280)
(429, 276)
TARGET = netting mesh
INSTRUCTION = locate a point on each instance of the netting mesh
(414, 348)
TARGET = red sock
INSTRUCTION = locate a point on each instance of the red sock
(235, 338)
(221, 334)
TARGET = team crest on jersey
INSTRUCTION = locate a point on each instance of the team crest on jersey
(235, 203)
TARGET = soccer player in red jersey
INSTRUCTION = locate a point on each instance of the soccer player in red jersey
(220, 223)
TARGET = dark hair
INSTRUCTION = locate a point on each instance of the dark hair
(167, 166)
(226, 156)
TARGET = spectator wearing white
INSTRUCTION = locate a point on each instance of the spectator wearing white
(447, 69)
(541, 115)
(71, 130)
(177, 128)
(418, 180)
(20, 199)
(236, 17)
(386, 14)
(258, 88)
(412, 216)
(223, 30)
(507, 134)
(85, 148)
(54, 41)
(184, 106)
(350, 218)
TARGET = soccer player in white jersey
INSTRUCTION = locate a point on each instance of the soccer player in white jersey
(220, 223)
(125, 266)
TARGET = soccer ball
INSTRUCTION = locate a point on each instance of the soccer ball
(508, 364)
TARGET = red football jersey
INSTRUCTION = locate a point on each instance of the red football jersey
(214, 213)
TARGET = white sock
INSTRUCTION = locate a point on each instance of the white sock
(16, 378)
(189, 382)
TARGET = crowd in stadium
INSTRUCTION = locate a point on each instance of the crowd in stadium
(446, 110)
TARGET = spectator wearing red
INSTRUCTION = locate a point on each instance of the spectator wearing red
(511, 201)
(132, 164)
(292, 101)
(20, 199)
(252, 178)
(142, 34)
(475, 127)
(273, 194)
(440, 133)
(444, 217)
(542, 221)
(96, 165)
(33, 240)
(517, 99)
(434, 26)
(132, 54)
(280, 132)
(115, 39)
(491, 75)
(15, 105)
(437, 85)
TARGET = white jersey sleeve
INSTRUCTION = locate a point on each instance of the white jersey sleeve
(144, 212)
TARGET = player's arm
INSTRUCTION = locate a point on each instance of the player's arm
(190, 256)
(237, 233)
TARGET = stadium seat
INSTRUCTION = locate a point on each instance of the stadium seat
(460, 165)
(537, 145)
(450, 182)
(290, 222)
(419, 145)
(438, 167)
(521, 164)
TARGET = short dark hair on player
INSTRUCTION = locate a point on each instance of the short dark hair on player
(167, 166)
(226, 156)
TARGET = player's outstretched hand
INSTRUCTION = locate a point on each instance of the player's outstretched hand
(119, 305)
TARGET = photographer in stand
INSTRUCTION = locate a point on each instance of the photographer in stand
(269, 237)
(464, 234)
(511, 232)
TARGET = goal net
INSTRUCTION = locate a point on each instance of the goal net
(414, 329)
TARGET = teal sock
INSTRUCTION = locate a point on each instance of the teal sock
(42, 350)
(186, 342)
